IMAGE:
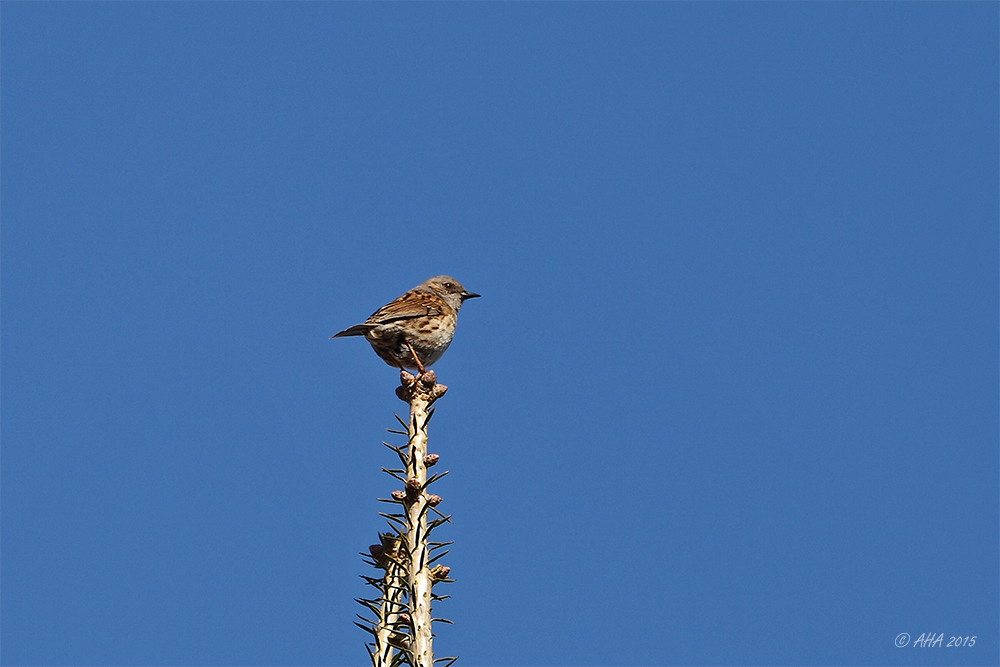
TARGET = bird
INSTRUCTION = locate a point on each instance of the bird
(413, 330)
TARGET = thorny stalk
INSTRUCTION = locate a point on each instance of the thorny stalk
(402, 630)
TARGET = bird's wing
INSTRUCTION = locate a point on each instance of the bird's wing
(410, 305)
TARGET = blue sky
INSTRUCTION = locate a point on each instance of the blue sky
(730, 396)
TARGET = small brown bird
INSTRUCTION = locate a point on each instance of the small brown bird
(414, 330)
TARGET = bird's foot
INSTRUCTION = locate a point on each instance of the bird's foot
(420, 366)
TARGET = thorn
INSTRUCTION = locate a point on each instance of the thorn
(439, 556)
(436, 477)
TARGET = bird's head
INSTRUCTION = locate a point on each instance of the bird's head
(449, 288)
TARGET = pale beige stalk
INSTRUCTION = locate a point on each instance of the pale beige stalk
(403, 610)
(389, 614)
(416, 529)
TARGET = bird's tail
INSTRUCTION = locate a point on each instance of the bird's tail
(356, 330)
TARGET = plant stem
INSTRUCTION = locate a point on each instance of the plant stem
(422, 652)
(389, 607)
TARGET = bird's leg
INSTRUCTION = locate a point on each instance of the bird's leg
(420, 366)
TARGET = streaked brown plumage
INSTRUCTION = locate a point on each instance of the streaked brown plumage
(414, 330)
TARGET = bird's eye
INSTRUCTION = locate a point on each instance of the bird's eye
(448, 285)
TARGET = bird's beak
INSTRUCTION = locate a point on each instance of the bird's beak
(469, 295)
